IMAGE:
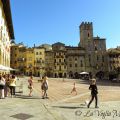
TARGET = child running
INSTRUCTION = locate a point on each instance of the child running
(74, 89)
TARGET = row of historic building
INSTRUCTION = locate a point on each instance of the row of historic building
(59, 60)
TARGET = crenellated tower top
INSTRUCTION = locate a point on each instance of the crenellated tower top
(86, 26)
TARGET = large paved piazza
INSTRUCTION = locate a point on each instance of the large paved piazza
(62, 105)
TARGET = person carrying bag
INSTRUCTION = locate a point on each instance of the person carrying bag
(94, 92)
(2, 85)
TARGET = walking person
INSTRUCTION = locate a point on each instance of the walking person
(94, 92)
(30, 85)
(2, 85)
(7, 88)
(12, 85)
(44, 87)
(74, 89)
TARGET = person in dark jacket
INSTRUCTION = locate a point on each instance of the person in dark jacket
(94, 92)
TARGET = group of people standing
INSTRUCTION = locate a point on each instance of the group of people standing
(44, 86)
(7, 85)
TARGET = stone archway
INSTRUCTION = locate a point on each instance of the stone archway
(76, 75)
(100, 75)
(55, 75)
(60, 75)
(71, 74)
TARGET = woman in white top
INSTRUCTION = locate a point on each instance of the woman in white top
(12, 85)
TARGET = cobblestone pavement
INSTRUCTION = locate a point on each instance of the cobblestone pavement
(61, 105)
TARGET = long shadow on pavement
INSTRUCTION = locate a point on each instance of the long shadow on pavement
(27, 97)
(67, 107)
(74, 107)
(82, 106)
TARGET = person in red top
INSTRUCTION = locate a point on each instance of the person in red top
(30, 85)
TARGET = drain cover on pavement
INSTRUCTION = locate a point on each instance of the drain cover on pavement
(22, 116)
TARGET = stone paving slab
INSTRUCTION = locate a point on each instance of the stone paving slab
(23, 107)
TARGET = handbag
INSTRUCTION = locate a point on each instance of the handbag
(29, 87)
(2, 83)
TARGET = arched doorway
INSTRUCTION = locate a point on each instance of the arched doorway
(55, 75)
(71, 74)
(100, 75)
(76, 75)
(60, 75)
(65, 75)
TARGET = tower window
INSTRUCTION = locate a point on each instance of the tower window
(102, 58)
(88, 35)
(81, 64)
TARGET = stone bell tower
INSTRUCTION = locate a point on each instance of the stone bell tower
(87, 42)
(86, 36)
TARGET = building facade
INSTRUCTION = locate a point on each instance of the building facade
(114, 62)
(96, 61)
(18, 57)
(39, 63)
(6, 32)
(49, 63)
(60, 64)
(28, 61)
(75, 59)
(60, 60)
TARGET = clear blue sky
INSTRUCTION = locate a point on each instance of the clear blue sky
(50, 21)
